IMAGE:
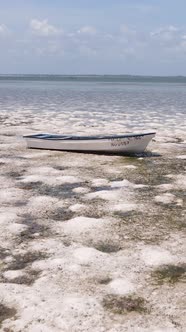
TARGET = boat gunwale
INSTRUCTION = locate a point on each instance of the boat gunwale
(54, 137)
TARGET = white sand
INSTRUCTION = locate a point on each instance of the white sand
(155, 256)
(82, 224)
(77, 207)
(107, 195)
(121, 287)
(124, 207)
(126, 184)
(166, 198)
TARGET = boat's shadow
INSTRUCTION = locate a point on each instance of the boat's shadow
(145, 154)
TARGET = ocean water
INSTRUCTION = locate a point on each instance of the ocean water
(84, 103)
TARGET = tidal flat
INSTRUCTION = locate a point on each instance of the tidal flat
(92, 243)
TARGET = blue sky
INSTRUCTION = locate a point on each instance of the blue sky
(143, 37)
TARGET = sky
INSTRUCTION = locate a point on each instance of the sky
(134, 37)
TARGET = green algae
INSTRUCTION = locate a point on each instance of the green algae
(6, 313)
(124, 304)
(170, 274)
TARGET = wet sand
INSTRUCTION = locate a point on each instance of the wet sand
(91, 242)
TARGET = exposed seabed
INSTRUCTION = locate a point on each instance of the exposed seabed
(91, 242)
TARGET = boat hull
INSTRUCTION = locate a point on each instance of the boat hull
(114, 144)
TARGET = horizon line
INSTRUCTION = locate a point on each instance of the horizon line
(83, 75)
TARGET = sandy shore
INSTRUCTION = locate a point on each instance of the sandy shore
(90, 242)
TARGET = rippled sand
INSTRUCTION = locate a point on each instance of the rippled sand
(91, 242)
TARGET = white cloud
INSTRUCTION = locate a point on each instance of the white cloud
(127, 43)
(165, 34)
(87, 51)
(49, 50)
(125, 30)
(170, 39)
(127, 36)
(142, 8)
(183, 45)
(43, 28)
(3, 30)
(87, 30)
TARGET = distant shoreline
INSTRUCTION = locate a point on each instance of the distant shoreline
(95, 78)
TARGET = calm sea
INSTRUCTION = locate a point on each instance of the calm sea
(122, 101)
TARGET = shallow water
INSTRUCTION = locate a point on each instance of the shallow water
(95, 106)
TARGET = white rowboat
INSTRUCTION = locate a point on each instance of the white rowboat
(127, 144)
